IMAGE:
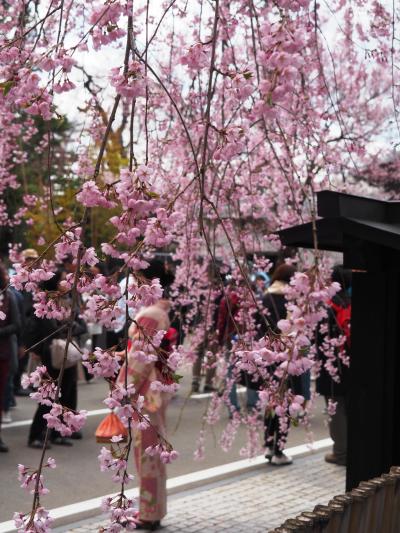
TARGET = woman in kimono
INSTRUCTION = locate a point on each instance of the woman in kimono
(150, 469)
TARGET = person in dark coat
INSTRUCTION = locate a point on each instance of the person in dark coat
(45, 331)
(333, 391)
(28, 256)
(209, 342)
(274, 303)
(9, 397)
(9, 328)
(202, 349)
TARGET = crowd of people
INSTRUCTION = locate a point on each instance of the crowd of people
(25, 341)
(270, 292)
(25, 338)
(28, 340)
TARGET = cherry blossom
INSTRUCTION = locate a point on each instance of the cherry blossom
(39, 523)
(102, 363)
(122, 512)
(205, 140)
(114, 460)
(64, 420)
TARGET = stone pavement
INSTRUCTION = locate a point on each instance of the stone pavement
(254, 502)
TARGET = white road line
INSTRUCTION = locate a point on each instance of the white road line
(98, 412)
(184, 482)
(21, 423)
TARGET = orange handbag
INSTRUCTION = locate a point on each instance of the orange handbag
(111, 426)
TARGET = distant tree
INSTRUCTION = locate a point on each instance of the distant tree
(47, 157)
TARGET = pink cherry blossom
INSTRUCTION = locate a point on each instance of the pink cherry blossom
(39, 523)
(208, 131)
(102, 363)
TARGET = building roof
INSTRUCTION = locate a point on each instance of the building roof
(347, 216)
(366, 230)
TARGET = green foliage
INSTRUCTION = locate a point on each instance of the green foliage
(6, 86)
(34, 174)
(46, 174)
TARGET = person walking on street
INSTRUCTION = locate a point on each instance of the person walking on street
(334, 392)
(209, 343)
(274, 303)
(45, 331)
(28, 256)
(17, 349)
(9, 329)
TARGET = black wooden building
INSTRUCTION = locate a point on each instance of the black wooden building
(367, 231)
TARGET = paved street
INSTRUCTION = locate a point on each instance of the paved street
(250, 503)
(77, 476)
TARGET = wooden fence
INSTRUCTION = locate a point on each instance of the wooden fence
(373, 507)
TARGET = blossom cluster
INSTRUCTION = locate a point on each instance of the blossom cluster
(45, 385)
(28, 477)
(64, 420)
(102, 363)
(167, 455)
(114, 459)
(40, 522)
(209, 136)
(122, 512)
(131, 84)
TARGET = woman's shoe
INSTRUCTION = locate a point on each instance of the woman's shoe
(281, 460)
(3, 447)
(38, 444)
(62, 441)
(332, 458)
(6, 418)
(22, 392)
(269, 452)
(149, 526)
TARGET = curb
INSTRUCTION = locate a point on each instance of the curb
(76, 512)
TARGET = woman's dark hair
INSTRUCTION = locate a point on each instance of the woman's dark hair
(156, 269)
(68, 260)
(3, 276)
(342, 276)
(52, 283)
(102, 267)
(283, 272)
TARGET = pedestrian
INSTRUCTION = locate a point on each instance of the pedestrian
(260, 284)
(115, 336)
(79, 329)
(45, 331)
(96, 333)
(151, 470)
(333, 390)
(274, 304)
(16, 352)
(208, 345)
(9, 328)
(9, 401)
(28, 256)
(227, 331)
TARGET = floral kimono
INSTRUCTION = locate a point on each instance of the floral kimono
(150, 469)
